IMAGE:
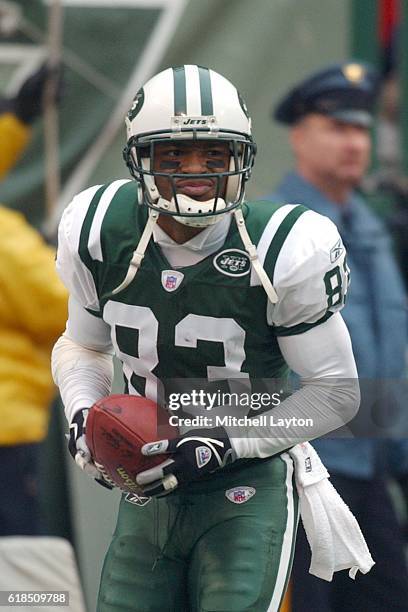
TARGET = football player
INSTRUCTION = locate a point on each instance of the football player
(180, 277)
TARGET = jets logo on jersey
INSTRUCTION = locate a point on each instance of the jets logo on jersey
(232, 262)
(240, 495)
(171, 279)
(203, 455)
(336, 251)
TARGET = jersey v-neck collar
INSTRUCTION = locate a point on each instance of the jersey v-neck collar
(198, 268)
(196, 250)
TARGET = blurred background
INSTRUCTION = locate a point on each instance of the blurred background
(108, 49)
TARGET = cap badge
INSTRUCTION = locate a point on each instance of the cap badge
(354, 72)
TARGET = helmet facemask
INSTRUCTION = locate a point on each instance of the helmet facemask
(140, 155)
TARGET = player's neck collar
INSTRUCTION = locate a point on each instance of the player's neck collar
(210, 237)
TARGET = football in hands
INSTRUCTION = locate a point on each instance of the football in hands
(117, 427)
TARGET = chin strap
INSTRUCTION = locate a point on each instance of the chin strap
(250, 248)
(253, 256)
(139, 253)
(187, 204)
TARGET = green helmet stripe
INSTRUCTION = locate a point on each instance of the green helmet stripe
(180, 94)
(205, 91)
(280, 237)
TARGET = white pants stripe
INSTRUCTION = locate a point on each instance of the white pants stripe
(288, 538)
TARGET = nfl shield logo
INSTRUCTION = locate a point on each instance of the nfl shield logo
(170, 283)
(171, 279)
(203, 455)
(240, 495)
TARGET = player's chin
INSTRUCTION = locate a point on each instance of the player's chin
(199, 194)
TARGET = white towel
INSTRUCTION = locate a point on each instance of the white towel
(332, 530)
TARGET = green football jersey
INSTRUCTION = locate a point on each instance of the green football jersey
(211, 320)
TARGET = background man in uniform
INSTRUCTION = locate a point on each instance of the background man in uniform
(190, 151)
(330, 114)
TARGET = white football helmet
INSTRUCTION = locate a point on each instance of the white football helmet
(189, 103)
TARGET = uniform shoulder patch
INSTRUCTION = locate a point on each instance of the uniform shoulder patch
(336, 251)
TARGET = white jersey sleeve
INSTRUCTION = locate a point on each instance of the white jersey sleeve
(72, 271)
(310, 274)
(328, 399)
(75, 273)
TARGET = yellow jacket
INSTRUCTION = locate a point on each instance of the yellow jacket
(14, 135)
(33, 312)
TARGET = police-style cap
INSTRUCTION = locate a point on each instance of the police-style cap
(346, 91)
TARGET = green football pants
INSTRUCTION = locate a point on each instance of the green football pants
(211, 547)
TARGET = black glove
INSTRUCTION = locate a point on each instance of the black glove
(193, 455)
(27, 104)
(79, 450)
